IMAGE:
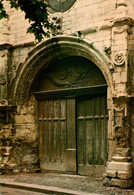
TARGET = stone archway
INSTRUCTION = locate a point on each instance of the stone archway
(44, 54)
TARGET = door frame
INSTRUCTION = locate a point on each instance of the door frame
(51, 94)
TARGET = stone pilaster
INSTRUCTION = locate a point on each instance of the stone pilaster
(119, 167)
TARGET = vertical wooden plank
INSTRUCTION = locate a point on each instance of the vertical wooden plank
(63, 130)
(55, 141)
(105, 129)
(71, 123)
(100, 132)
(93, 135)
(90, 140)
(40, 111)
(85, 111)
(50, 119)
(90, 130)
(97, 106)
(80, 143)
(56, 128)
(45, 131)
(71, 135)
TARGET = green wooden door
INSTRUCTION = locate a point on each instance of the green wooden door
(91, 134)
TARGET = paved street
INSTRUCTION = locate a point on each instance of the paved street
(62, 182)
(13, 191)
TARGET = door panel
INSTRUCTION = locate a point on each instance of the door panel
(67, 123)
(52, 125)
(91, 134)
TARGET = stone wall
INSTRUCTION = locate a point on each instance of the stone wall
(108, 26)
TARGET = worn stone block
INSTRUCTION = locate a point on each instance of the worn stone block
(120, 166)
(111, 173)
(121, 183)
(124, 175)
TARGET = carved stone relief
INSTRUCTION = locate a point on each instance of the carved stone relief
(122, 133)
(121, 124)
(119, 59)
(73, 72)
(57, 21)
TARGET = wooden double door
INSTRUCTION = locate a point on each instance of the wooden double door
(73, 134)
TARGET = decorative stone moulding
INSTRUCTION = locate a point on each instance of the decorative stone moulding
(3, 79)
(119, 59)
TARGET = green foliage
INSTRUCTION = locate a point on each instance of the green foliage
(35, 12)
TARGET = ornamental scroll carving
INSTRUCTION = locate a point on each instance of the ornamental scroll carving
(74, 73)
(121, 126)
(122, 133)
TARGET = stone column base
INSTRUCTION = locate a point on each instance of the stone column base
(118, 182)
(119, 172)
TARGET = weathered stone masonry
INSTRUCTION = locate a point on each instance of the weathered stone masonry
(101, 31)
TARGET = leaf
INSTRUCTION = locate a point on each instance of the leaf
(36, 13)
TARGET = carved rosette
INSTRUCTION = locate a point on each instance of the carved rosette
(119, 59)
(3, 79)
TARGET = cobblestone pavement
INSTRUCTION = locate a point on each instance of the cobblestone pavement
(12, 191)
(70, 182)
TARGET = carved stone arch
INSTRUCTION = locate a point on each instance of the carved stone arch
(44, 53)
